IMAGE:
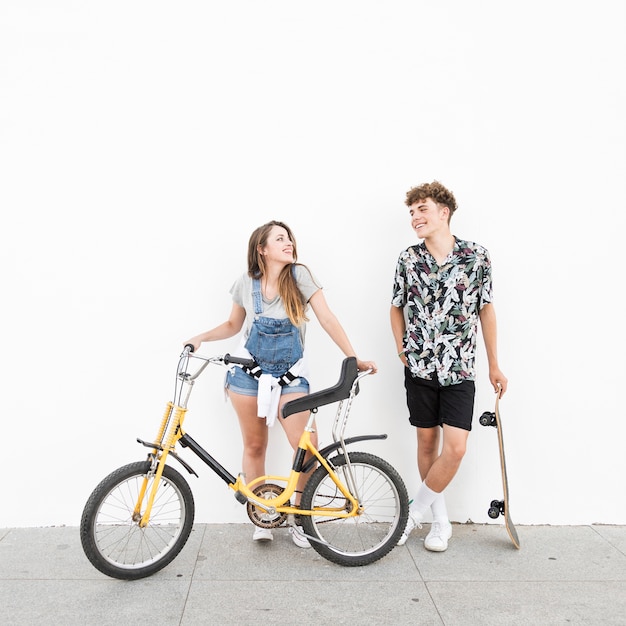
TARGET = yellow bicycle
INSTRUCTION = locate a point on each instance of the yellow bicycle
(353, 508)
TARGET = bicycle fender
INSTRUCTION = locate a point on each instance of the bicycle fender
(327, 450)
(184, 464)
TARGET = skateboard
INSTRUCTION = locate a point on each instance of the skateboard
(500, 507)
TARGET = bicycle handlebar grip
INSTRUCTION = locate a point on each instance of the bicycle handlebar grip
(235, 359)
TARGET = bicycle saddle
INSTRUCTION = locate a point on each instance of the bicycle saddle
(340, 391)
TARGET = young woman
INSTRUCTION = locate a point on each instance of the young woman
(270, 304)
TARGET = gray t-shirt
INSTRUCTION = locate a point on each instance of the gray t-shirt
(241, 292)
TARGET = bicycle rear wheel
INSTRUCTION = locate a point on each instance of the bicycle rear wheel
(384, 504)
(110, 533)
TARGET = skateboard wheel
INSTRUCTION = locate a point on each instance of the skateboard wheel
(496, 509)
(488, 418)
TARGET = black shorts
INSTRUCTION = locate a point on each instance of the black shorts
(432, 405)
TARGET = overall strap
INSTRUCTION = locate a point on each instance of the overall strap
(257, 298)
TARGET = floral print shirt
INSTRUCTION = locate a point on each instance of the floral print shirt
(441, 306)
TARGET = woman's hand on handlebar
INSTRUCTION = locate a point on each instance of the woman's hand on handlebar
(194, 343)
(366, 365)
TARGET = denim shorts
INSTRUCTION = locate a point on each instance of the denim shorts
(239, 382)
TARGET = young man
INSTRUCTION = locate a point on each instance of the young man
(442, 288)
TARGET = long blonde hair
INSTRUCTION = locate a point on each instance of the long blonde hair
(293, 300)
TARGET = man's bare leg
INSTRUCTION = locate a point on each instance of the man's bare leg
(437, 470)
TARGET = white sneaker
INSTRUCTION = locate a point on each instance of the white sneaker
(437, 538)
(262, 534)
(298, 537)
(414, 521)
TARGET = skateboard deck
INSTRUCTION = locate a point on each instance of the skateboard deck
(500, 507)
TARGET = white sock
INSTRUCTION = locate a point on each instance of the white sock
(439, 508)
(423, 499)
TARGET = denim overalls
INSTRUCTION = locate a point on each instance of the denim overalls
(274, 343)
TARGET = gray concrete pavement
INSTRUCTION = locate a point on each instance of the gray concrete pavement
(562, 575)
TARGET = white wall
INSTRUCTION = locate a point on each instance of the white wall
(141, 142)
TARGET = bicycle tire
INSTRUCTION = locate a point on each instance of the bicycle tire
(114, 542)
(366, 538)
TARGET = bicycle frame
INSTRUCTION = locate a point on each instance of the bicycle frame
(171, 432)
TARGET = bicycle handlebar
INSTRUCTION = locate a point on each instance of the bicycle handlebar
(229, 358)
(238, 360)
(226, 359)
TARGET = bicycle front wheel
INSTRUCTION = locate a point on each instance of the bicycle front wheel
(109, 530)
(383, 501)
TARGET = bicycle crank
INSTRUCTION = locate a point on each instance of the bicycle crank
(266, 518)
